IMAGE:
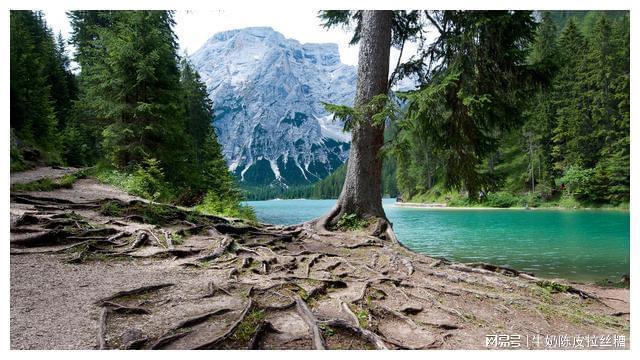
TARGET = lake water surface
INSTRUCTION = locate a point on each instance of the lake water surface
(580, 245)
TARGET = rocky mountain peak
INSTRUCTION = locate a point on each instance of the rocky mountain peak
(267, 92)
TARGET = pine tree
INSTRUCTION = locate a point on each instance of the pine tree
(130, 83)
(38, 84)
(569, 100)
(474, 90)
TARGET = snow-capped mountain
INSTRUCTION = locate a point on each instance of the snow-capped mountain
(267, 93)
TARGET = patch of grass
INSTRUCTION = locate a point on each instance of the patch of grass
(177, 239)
(45, 184)
(48, 184)
(111, 208)
(542, 294)
(247, 327)
(579, 316)
(303, 293)
(146, 180)
(363, 317)
(552, 286)
(471, 318)
(351, 222)
(327, 331)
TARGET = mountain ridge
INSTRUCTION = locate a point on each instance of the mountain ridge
(267, 92)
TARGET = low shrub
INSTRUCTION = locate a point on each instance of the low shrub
(213, 204)
(501, 199)
(147, 181)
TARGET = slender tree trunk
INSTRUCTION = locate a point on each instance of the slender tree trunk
(361, 193)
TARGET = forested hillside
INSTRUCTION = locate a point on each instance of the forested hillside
(136, 110)
(572, 143)
(554, 130)
(42, 90)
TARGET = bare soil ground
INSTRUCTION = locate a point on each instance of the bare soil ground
(95, 268)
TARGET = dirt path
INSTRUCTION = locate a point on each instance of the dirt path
(40, 173)
(92, 267)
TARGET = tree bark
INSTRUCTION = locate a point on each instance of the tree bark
(362, 190)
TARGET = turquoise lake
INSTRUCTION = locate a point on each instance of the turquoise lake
(579, 245)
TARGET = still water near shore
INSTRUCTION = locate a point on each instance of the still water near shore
(578, 245)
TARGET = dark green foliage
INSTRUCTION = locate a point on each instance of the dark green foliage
(136, 107)
(150, 113)
(42, 88)
(475, 92)
(501, 199)
(132, 88)
(559, 135)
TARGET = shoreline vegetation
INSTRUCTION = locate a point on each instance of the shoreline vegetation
(435, 206)
(445, 206)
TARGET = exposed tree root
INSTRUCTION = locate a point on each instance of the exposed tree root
(190, 322)
(102, 328)
(225, 244)
(133, 292)
(263, 328)
(365, 334)
(213, 289)
(166, 340)
(218, 340)
(123, 309)
(311, 321)
(345, 308)
(278, 273)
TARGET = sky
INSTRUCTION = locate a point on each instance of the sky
(193, 28)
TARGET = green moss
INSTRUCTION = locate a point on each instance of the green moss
(351, 222)
(157, 213)
(248, 326)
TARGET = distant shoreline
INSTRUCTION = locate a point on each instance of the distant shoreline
(436, 206)
(442, 206)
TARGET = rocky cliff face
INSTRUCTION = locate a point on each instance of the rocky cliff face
(268, 92)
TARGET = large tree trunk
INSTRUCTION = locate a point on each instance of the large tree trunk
(361, 193)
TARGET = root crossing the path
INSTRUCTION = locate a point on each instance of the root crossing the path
(153, 276)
